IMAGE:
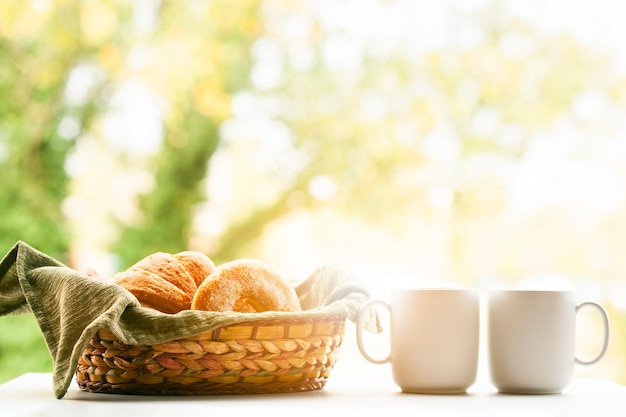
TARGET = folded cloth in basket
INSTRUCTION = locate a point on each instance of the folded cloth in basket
(70, 307)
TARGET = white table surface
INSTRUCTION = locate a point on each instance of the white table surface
(31, 395)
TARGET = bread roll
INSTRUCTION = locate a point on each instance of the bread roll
(245, 285)
(164, 281)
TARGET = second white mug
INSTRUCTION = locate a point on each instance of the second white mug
(532, 340)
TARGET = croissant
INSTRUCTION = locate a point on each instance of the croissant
(166, 282)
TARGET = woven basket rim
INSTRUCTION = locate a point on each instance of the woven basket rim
(231, 319)
(258, 322)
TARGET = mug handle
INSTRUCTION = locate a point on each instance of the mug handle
(605, 322)
(359, 331)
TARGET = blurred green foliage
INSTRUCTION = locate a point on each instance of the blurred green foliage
(22, 347)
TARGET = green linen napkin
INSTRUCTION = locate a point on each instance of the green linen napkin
(70, 307)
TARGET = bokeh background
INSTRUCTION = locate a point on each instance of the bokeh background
(476, 143)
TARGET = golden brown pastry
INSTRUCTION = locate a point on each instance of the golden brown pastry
(245, 285)
(197, 264)
(164, 281)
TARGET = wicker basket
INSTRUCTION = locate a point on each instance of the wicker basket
(254, 357)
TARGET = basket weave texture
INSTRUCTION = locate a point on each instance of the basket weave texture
(254, 357)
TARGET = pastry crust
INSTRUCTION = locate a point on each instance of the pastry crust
(164, 281)
(196, 264)
(245, 285)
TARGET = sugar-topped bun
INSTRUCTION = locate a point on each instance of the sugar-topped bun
(245, 285)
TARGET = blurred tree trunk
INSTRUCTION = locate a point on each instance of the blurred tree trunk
(219, 40)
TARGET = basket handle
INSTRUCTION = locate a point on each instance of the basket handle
(361, 317)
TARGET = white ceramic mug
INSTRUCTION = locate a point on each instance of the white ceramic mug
(532, 340)
(434, 339)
